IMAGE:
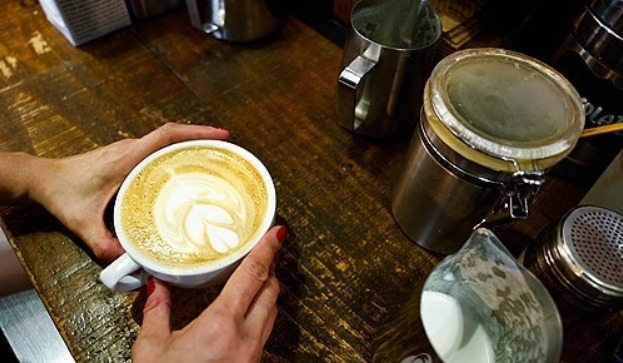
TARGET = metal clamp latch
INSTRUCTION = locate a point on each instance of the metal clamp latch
(515, 199)
(525, 184)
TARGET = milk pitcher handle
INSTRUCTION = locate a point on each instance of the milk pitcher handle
(352, 83)
(195, 18)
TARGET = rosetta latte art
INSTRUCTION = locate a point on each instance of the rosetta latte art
(194, 211)
(193, 207)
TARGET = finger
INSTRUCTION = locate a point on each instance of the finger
(156, 313)
(94, 232)
(171, 133)
(164, 135)
(259, 318)
(269, 325)
(105, 247)
(253, 272)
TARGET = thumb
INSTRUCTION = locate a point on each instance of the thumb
(156, 313)
(96, 235)
(105, 247)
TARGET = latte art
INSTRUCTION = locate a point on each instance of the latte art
(194, 212)
(194, 206)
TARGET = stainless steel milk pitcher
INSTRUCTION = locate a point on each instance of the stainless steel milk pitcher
(388, 56)
(236, 20)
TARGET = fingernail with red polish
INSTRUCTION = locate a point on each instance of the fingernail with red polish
(151, 286)
(282, 233)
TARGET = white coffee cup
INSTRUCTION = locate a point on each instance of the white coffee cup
(188, 213)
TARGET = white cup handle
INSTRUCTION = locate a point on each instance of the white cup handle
(123, 274)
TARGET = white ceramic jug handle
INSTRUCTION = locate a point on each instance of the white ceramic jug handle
(123, 274)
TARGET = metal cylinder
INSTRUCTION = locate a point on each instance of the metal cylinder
(492, 122)
(580, 260)
(388, 55)
(591, 57)
(456, 196)
(236, 20)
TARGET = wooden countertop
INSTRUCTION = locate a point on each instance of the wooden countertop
(345, 266)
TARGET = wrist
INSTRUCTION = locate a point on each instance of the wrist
(22, 177)
(41, 174)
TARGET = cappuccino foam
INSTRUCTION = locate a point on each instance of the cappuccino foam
(194, 206)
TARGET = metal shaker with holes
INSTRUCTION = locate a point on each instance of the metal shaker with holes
(580, 260)
(492, 122)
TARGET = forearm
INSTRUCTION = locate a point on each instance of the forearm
(19, 174)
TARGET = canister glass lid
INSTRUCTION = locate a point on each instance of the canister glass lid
(506, 105)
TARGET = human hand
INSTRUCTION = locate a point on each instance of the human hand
(234, 328)
(77, 189)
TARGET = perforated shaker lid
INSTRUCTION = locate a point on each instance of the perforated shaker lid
(502, 105)
(593, 237)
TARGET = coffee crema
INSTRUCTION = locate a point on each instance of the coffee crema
(194, 206)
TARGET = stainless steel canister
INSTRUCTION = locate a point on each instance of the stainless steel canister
(492, 122)
(580, 260)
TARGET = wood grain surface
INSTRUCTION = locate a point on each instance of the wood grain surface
(345, 266)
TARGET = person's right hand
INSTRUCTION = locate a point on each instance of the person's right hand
(234, 328)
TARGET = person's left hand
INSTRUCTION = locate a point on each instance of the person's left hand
(233, 329)
(77, 189)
